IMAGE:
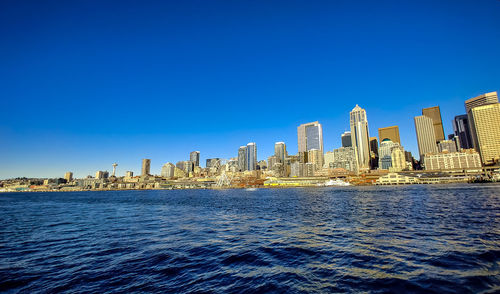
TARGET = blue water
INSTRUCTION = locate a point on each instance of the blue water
(429, 239)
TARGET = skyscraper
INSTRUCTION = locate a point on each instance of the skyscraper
(373, 153)
(346, 139)
(426, 137)
(251, 156)
(481, 100)
(461, 129)
(68, 176)
(485, 122)
(194, 157)
(146, 166)
(280, 151)
(391, 133)
(435, 114)
(360, 136)
(484, 99)
(242, 158)
(310, 136)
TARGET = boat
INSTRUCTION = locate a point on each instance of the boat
(336, 182)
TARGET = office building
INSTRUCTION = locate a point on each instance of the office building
(346, 139)
(68, 176)
(213, 163)
(310, 136)
(194, 157)
(485, 122)
(146, 166)
(129, 174)
(168, 170)
(373, 153)
(251, 156)
(391, 133)
(466, 159)
(329, 158)
(481, 100)
(435, 114)
(280, 151)
(398, 159)
(346, 158)
(360, 136)
(271, 161)
(101, 174)
(385, 152)
(242, 158)
(316, 158)
(461, 129)
(447, 145)
(426, 137)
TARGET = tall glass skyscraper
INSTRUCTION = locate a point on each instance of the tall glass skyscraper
(461, 129)
(360, 136)
(251, 156)
(346, 139)
(310, 136)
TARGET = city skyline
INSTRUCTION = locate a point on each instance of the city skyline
(79, 96)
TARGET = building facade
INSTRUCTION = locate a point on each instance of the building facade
(168, 170)
(346, 139)
(485, 122)
(251, 156)
(435, 114)
(468, 158)
(360, 136)
(310, 136)
(280, 151)
(346, 158)
(461, 129)
(146, 167)
(194, 157)
(426, 137)
(391, 133)
(242, 158)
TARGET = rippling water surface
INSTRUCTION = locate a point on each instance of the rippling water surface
(376, 239)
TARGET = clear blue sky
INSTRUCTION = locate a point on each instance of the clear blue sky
(84, 84)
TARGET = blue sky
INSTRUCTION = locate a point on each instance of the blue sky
(84, 84)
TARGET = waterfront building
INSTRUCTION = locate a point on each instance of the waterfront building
(447, 145)
(242, 158)
(168, 170)
(391, 133)
(481, 100)
(68, 176)
(329, 158)
(310, 136)
(346, 158)
(461, 129)
(396, 179)
(146, 166)
(435, 114)
(194, 157)
(346, 139)
(280, 151)
(468, 158)
(316, 158)
(360, 136)
(485, 125)
(426, 137)
(251, 156)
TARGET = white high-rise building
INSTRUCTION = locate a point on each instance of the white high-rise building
(426, 137)
(168, 170)
(360, 136)
(251, 156)
(280, 151)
